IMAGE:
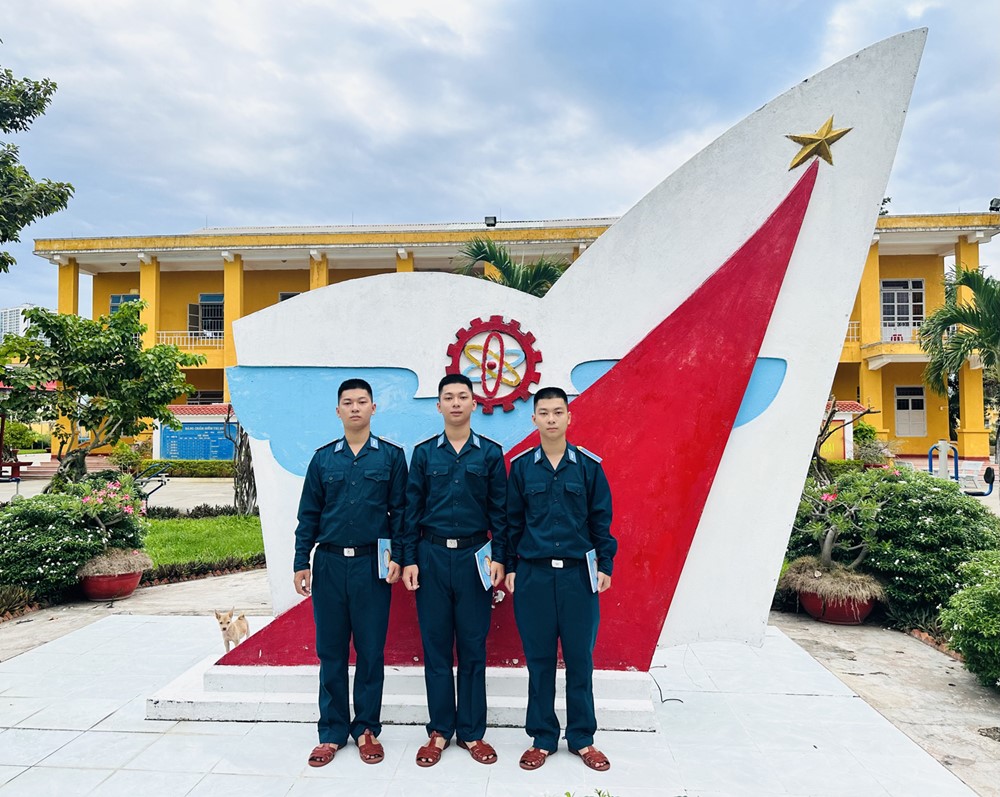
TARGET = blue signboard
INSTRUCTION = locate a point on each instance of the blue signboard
(197, 441)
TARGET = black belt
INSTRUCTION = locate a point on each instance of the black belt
(348, 551)
(558, 564)
(458, 542)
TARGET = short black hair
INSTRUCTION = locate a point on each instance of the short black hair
(354, 384)
(550, 393)
(454, 379)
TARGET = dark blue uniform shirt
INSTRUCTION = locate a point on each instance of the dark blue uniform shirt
(456, 495)
(350, 500)
(561, 513)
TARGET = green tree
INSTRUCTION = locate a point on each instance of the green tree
(107, 385)
(962, 329)
(22, 199)
(535, 278)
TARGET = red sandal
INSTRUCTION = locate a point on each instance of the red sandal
(533, 758)
(370, 749)
(322, 755)
(593, 758)
(482, 752)
(430, 753)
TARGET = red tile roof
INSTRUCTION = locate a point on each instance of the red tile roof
(199, 409)
(852, 407)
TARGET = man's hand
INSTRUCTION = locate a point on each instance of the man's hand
(496, 574)
(510, 582)
(303, 582)
(603, 582)
(410, 580)
(394, 573)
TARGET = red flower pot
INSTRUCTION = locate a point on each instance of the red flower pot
(849, 612)
(104, 588)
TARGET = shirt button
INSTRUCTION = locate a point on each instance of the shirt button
(555, 478)
(557, 545)
(353, 482)
(456, 481)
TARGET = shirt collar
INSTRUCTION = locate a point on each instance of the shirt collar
(372, 443)
(442, 439)
(570, 454)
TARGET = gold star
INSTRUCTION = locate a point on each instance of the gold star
(818, 143)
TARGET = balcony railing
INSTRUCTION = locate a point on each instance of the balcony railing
(191, 340)
(900, 331)
(853, 332)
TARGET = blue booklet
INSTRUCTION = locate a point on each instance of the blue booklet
(484, 557)
(384, 557)
(592, 568)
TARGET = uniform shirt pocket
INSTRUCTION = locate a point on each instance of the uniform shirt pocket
(576, 500)
(333, 486)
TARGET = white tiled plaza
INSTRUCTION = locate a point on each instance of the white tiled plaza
(733, 721)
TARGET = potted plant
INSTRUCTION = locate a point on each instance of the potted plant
(113, 574)
(829, 590)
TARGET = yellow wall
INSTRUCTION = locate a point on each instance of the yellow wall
(107, 284)
(909, 375)
(180, 288)
(845, 383)
(929, 268)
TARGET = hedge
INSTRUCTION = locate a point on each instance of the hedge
(192, 468)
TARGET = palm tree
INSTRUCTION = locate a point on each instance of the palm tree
(534, 278)
(959, 329)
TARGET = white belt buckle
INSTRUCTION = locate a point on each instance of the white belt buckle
(348, 552)
(557, 563)
(451, 543)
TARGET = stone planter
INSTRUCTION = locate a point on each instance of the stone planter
(104, 588)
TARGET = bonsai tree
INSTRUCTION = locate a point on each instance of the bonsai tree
(106, 386)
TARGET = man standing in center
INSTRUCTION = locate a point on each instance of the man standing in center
(455, 497)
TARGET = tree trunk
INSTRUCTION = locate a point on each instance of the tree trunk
(244, 486)
(72, 468)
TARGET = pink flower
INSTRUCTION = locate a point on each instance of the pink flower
(86, 499)
(828, 497)
(128, 510)
(895, 473)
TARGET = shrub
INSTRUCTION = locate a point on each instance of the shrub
(125, 457)
(972, 618)
(923, 529)
(840, 466)
(864, 432)
(193, 468)
(163, 512)
(114, 505)
(208, 510)
(43, 540)
(13, 599)
(18, 435)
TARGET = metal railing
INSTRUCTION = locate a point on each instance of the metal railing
(853, 332)
(901, 332)
(191, 340)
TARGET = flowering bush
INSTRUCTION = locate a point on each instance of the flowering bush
(43, 540)
(972, 617)
(917, 530)
(114, 505)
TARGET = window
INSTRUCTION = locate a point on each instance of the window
(902, 309)
(118, 299)
(205, 397)
(911, 412)
(284, 296)
(206, 318)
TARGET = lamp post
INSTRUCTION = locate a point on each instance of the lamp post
(4, 395)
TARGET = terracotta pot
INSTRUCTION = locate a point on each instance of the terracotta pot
(103, 588)
(849, 612)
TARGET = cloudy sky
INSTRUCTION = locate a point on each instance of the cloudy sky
(177, 115)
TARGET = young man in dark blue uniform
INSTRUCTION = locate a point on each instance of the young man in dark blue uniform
(354, 494)
(456, 493)
(558, 509)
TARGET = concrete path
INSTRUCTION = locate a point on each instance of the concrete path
(179, 493)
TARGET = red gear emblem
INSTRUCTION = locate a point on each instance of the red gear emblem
(500, 360)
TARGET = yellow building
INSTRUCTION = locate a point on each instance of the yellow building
(196, 285)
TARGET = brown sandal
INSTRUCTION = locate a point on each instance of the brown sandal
(430, 753)
(533, 758)
(593, 758)
(370, 750)
(322, 755)
(482, 752)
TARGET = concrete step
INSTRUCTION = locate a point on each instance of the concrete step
(623, 700)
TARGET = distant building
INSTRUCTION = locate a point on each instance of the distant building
(12, 321)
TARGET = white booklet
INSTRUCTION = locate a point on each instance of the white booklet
(484, 556)
(592, 568)
(384, 557)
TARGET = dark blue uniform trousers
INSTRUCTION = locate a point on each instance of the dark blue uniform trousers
(349, 600)
(556, 605)
(454, 613)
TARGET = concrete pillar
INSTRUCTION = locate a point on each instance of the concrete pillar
(871, 396)
(149, 292)
(319, 270)
(69, 287)
(232, 282)
(404, 260)
(870, 301)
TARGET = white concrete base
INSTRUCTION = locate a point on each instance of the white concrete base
(623, 700)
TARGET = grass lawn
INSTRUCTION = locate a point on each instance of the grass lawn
(203, 539)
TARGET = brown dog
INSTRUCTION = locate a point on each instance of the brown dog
(232, 630)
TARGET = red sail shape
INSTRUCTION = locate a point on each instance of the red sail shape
(660, 418)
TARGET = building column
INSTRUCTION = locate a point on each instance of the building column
(319, 270)
(232, 285)
(404, 260)
(870, 383)
(149, 292)
(69, 287)
(973, 436)
(870, 302)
